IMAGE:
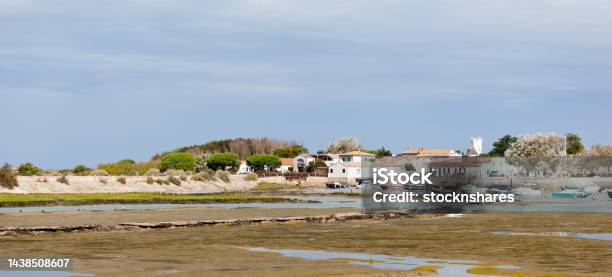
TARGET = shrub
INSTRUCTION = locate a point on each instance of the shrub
(152, 172)
(28, 169)
(250, 177)
(174, 180)
(150, 180)
(42, 180)
(7, 177)
(98, 172)
(259, 162)
(121, 180)
(200, 164)
(63, 179)
(128, 167)
(205, 175)
(103, 180)
(223, 175)
(173, 172)
(80, 169)
(162, 182)
(183, 178)
(177, 161)
(223, 161)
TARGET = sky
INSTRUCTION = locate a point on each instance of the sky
(85, 82)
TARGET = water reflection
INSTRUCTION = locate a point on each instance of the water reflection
(443, 267)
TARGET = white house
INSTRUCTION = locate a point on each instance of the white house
(286, 165)
(244, 168)
(301, 161)
(352, 166)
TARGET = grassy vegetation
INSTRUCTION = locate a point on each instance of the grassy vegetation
(73, 199)
(268, 186)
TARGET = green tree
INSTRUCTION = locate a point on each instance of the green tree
(80, 169)
(8, 178)
(223, 160)
(178, 161)
(259, 162)
(574, 144)
(126, 161)
(501, 145)
(382, 152)
(316, 164)
(28, 169)
(290, 151)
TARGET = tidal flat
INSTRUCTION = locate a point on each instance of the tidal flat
(225, 250)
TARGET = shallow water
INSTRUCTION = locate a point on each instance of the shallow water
(446, 267)
(601, 205)
(542, 205)
(326, 202)
(595, 236)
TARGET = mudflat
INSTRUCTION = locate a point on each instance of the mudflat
(156, 215)
(224, 250)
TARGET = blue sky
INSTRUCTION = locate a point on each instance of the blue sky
(97, 81)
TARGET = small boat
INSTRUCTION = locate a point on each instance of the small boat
(337, 185)
(609, 194)
(527, 191)
(570, 192)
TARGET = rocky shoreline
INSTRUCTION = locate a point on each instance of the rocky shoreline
(338, 217)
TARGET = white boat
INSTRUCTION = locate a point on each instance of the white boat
(527, 191)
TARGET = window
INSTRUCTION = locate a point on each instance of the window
(347, 158)
(344, 170)
(331, 170)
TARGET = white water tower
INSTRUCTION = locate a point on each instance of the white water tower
(476, 144)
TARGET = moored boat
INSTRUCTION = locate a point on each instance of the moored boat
(570, 193)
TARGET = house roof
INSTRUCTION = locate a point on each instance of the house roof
(436, 152)
(429, 152)
(357, 153)
(412, 151)
(287, 161)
